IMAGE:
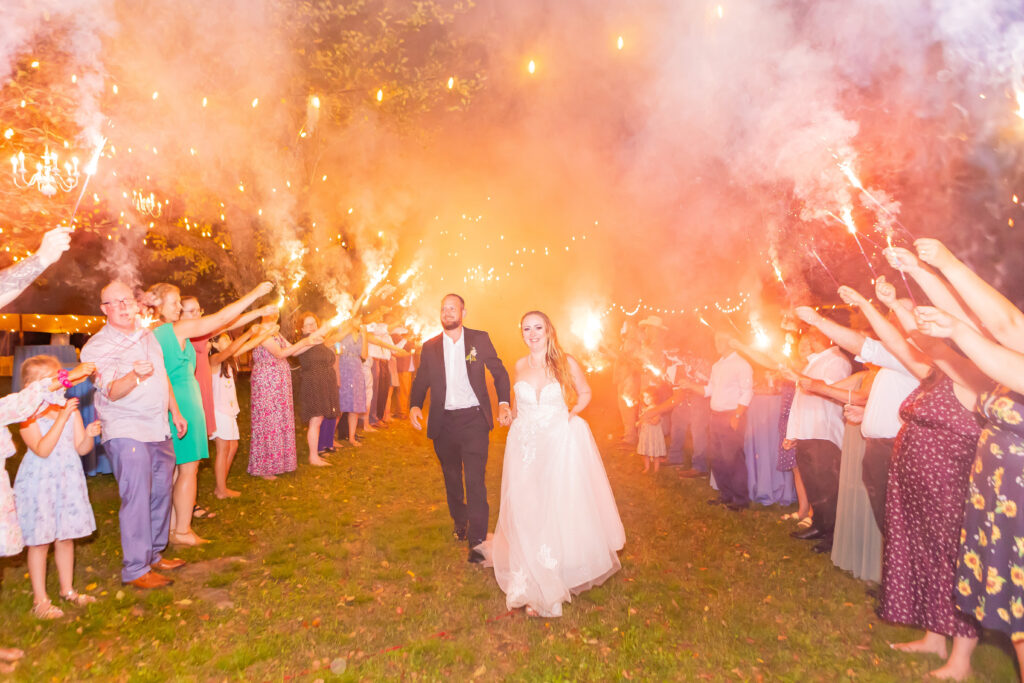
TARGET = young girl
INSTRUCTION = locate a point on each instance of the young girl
(223, 369)
(651, 442)
(50, 491)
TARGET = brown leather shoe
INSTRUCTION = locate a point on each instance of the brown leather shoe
(166, 565)
(150, 580)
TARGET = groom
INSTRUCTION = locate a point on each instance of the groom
(452, 368)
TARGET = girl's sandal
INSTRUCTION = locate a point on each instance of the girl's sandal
(199, 512)
(805, 523)
(77, 599)
(47, 611)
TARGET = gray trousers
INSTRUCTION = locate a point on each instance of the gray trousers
(145, 474)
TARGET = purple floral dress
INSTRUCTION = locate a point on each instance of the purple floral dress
(272, 446)
(787, 456)
(924, 509)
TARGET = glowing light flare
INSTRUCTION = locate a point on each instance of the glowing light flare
(620, 43)
(451, 82)
(380, 95)
(653, 370)
(720, 11)
(589, 327)
(532, 67)
(314, 101)
(629, 401)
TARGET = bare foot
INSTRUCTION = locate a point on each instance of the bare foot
(355, 443)
(317, 461)
(8, 667)
(227, 493)
(11, 654)
(368, 428)
(187, 539)
(530, 612)
(645, 469)
(928, 646)
(268, 477)
(951, 671)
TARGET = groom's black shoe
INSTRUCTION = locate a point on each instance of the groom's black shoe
(459, 533)
(811, 534)
(475, 557)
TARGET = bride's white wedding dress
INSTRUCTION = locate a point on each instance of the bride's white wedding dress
(558, 528)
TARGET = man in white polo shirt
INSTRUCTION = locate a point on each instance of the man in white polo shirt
(133, 397)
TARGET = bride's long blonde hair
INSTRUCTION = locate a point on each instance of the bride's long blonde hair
(556, 361)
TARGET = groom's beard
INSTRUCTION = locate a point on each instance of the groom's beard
(454, 325)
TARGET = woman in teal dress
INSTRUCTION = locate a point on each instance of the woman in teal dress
(174, 334)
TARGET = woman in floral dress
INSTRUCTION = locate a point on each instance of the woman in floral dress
(272, 445)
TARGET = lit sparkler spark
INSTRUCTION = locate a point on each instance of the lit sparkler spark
(703, 321)
(589, 328)
(653, 370)
(280, 301)
(846, 218)
(628, 400)
(906, 283)
(813, 253)
(375, 280)
(532, 67)
(90, 171)
(145, 321)
(408, 274)
(621, 43)
(787, 349)
(761, 339)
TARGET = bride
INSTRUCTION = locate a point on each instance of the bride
(558, 528)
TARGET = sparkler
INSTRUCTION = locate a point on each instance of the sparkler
(813, 253)
(90, 171)
(628, 400)
(888, 240)
(851, 227)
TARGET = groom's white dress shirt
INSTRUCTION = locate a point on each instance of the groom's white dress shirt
(459, 392)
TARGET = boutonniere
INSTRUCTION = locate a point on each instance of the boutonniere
(472, 355)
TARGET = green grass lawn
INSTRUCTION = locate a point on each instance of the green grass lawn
(354, 565)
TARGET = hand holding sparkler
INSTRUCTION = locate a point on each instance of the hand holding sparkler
(80, 372)
(142, 369)
(807, 314)
(269, 309)
(851, 297)
(901, 259)
(885, 291)
(55, 243)
(934, 253)
(262, 289)
(935, 322)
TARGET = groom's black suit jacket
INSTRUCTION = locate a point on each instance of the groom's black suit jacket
(431, 375)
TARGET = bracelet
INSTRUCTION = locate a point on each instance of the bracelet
(62, 377)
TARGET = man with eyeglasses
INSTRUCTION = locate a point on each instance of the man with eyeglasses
(132, 400)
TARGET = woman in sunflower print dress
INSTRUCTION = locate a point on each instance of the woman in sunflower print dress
(990, 572)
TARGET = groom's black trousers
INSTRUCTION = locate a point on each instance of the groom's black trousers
(462, 449)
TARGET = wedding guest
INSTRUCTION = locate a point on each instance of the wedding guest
(179, 356)
(133, 399)
(816, 426)
(690, 413)
(352, 350)
(651, 439)
(272, 445)
(730, 388)
(16, 407)
(50, 493)
(378, 330)
(881, 422)
(225, 401)
(928, 482)
(990, 578)
(191, 310)
(405, 366)
(626, 376)
(319, 385)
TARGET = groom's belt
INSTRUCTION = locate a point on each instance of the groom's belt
(462, 410)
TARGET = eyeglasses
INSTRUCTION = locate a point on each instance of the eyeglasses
(119, 303)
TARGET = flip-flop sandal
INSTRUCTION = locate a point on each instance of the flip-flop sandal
(199, 512)
(805, 523)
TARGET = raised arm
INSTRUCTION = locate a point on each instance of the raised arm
(15, 279)
(208, 324)
(843, 391)
(888, 334)
(847, 339)
(233, 348)
(996, 361)
(278, 351)
(258, 337)
(934, 286)
(999, 316)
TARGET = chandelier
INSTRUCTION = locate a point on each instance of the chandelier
(48, 177)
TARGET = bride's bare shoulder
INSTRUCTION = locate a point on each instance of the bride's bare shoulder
(519, 366)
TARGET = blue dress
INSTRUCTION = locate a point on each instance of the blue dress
(50, 493)
(352, 385)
